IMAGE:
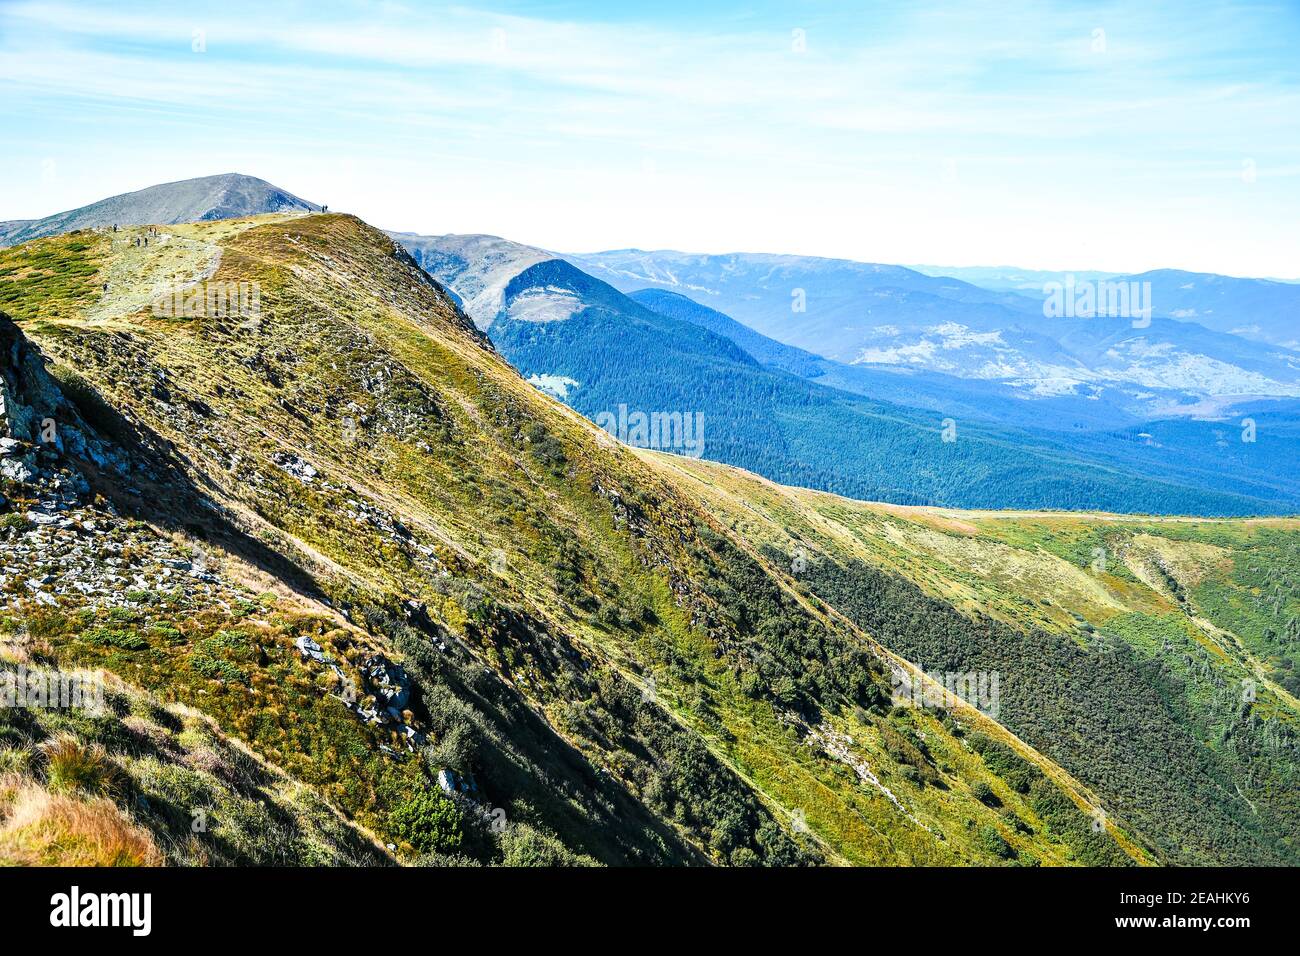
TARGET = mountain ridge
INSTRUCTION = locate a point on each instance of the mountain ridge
(221, 196)
(897, 404)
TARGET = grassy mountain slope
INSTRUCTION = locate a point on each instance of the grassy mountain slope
(621, 677)
(1155, 659)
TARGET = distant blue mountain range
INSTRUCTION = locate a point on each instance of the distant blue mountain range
(1195, 451)
(865, 430)
(1208, 342)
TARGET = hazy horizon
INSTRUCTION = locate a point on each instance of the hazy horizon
(1040, 136)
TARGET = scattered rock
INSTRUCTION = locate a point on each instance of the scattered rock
(310, 650)
(297, 467)
(21, 470)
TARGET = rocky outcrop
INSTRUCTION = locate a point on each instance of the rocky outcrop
(42, 435)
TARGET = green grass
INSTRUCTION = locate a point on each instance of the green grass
(51, 278)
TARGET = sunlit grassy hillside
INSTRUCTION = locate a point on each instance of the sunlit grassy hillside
(1157, 659)
(612, 655)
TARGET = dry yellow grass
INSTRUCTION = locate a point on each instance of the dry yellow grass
(40, 828)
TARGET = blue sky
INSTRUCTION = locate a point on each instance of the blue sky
(1045, 135)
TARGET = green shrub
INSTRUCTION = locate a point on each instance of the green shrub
(428, 821)
(995, 843)
(905, 751)
(522, 845)
(216, 668)
(1019, 773)
(985, 795)
(45, 624)
(233, 644)
(166, 633)
(115, 637)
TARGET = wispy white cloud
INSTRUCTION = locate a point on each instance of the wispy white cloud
(1043, 134)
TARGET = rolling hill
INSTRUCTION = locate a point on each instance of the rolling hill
(1260, 309)
(1193, 451)
(1263, 310)
(901, 385)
